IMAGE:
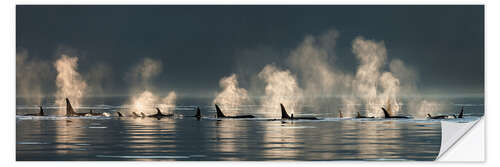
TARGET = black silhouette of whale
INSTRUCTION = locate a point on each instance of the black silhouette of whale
(134, 114)
(221, 115)
(159, 115)
(284, 115)
(387, 115)
(198, 114)
(40, 113)
(429, 116)
(361, 116)
(453, 116)
(70, 112)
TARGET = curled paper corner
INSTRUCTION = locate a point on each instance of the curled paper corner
(452, 132)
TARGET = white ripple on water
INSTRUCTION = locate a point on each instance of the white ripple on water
(142, 156)
(32, 143)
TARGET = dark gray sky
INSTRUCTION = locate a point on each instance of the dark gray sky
(200, 44)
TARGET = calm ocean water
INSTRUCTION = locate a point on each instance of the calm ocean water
(187, 139)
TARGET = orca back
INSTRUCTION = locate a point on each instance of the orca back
(135, 114)
(284, 115)
(158, 112)
(461, 115)
(198, 112)
(41, 111)
(219, 112)
(69, 109)
(386, 114)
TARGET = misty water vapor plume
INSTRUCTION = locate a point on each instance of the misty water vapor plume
(142, 98)
(369, 78)
(312, 62)
(312, 75)
(281, 87)
(231, 96)
(69, 82)
(31, 76)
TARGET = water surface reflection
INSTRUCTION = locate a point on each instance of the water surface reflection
(184, 138)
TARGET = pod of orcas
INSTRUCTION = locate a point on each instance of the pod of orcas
(70, 112)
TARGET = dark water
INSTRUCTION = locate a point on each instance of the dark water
(187, 139)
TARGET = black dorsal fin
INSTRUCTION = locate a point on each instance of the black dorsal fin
(386, 114)
(135, 114)
(41, 111)
(198, 112)
(158, 111)
(461, 114)
(69, 109)
(359, 115)
(219, 112)
(340, 114)
(119, 114)
(429, 115)
(284, 114)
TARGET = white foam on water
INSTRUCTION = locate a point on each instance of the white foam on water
(142, 156)
(297, 127)
(97, 127)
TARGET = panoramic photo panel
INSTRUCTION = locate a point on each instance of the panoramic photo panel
(246, 82)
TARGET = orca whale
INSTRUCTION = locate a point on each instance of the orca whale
(360, 116)
(221, 115)
(159, 115)
(135, 114)
(387, 115)
(198, 114)
(70, 112)
(40, 113)
(92, 113)
(461, 114)
(453, 116)
(340, 114)
(429, 116)
(284, 115)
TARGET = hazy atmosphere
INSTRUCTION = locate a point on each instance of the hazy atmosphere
(192, 48)
(258, 83)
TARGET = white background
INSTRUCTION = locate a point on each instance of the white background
(492, 72)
